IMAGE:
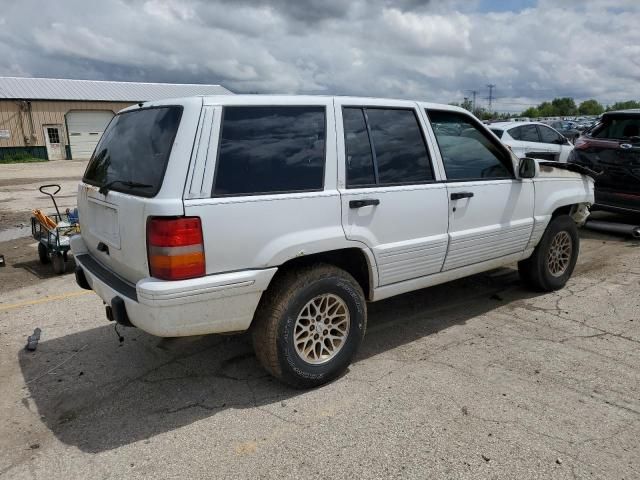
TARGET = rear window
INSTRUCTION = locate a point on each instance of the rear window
(618, 127)
(271, 150)
(498, 133)
(135, 149)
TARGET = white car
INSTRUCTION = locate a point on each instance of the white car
(534, 140)
(284, 215)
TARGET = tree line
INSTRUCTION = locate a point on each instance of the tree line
(558, 107)
(566, 107)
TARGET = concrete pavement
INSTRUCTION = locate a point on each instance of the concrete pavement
(478, 378)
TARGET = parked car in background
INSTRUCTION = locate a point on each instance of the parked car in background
(612, 147)
(566, 128)
(533, 139)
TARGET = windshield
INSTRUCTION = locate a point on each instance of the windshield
(134, 151)
(619, 127)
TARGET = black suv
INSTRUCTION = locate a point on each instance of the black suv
(612, 147)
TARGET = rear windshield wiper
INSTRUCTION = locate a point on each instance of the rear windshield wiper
(104, 189)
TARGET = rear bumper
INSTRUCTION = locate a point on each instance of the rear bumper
(211, 304)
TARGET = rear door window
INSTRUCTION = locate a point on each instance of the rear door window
(134, 151)
(526, 133)
(401, 153)
(271, 150)
(384, 146)
(468, 152)
(360, 168)
(548, 135)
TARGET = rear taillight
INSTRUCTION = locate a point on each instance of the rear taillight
(175, 248)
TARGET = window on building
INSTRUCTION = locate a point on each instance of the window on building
(53, 134)
(271, 150)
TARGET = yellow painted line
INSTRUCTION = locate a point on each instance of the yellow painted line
(51, 298)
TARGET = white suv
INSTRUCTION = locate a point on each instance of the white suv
(286, 214)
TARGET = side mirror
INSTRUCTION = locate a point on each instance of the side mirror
(527, 168)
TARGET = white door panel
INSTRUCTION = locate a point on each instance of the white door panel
(406, 231)
(496, 221)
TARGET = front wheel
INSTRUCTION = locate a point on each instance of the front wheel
(309, 325)
(555, 257)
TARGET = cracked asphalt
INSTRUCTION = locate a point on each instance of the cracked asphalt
(477, 378)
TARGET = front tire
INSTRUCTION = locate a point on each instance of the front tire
(309, 325)
(555, 257)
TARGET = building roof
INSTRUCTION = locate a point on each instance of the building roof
(19, 88)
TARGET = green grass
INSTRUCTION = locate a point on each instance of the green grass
(20, 158)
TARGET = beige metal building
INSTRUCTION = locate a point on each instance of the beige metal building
(60, 119)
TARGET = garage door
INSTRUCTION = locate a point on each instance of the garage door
(85, 129)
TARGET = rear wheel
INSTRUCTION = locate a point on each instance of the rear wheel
(309, 325)
(58, 263)
(43, 255)
(553, 260)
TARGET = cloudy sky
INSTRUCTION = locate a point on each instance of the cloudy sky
(436, 50)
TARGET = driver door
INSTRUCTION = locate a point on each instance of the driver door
(490, 211)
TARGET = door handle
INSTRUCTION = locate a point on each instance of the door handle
(459, 195)
(363, 203)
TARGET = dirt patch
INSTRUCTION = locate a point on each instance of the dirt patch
(11, 219)
(22, 265)
(10, 182)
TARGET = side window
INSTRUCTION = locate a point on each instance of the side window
(270, 150)
(384, 146)
(548, 135)
(401, 154)
(515, 133)
(529, 133)
(467, 151)
(360, 170)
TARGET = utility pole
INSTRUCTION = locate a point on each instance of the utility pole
(491, 86)
(473, 93)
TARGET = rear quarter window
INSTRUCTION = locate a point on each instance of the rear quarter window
(135, 148)
(271, 150)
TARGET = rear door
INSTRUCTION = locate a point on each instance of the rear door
(555, 142)
(531, 144)
(490, 211)
(392, 199)
(140, 163)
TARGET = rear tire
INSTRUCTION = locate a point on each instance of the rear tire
(309, 325)
(58, 263)
(43, 255)
(555, 257)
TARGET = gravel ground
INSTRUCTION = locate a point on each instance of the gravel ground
(19, 193)
(473, 379)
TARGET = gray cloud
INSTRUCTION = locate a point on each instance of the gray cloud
(406, 48)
